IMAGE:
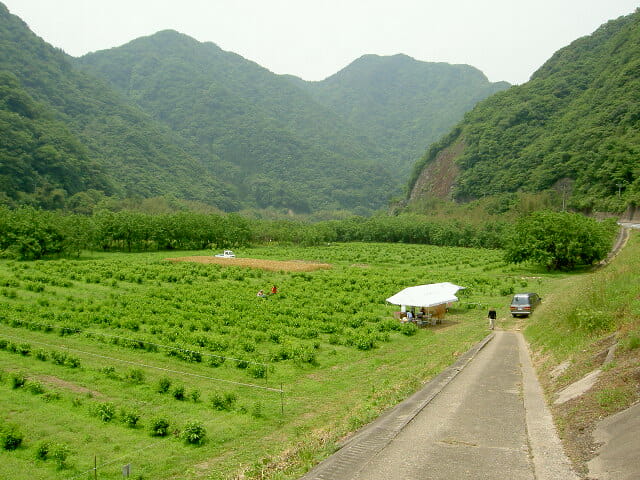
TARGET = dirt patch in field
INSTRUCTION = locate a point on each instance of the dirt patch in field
(271, 265)
(58, 382)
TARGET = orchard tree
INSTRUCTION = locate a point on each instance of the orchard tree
(30, 234)
(559, 240)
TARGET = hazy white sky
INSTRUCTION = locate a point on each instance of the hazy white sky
(313, 39)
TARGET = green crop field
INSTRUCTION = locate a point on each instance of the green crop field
(179, 370)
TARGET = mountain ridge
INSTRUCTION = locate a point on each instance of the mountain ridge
(310, 131)
(166, 115)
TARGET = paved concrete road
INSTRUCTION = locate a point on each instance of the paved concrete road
(475, 427)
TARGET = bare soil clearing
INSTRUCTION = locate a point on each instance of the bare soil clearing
(58, 382)
(271, 265)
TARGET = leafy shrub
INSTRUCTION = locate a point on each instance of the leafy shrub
(10, 437)
(105, 411)
(194, 433)
(178, 392)
(36, 388)
(408, 329)
(58, 358)
(195, 395)
(109, 371)
(59, 453)
(130, 418)
(364, 342)
(18, 380)
(135, 376)
(164, 384)
(388, 325)
(559, 240)
(50, 396)
(42, 450)
(41, 355)
(223, 402)
(242, 364)
(304, 354)
(72, 362)
(258, 371)
(34, 287)
(507, 290)
(159, 427)
(216, 361)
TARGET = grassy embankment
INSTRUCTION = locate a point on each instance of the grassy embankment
(328, 338)
(576, 326)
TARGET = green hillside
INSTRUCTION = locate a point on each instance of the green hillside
(404, 105)
(68, 132)
(575, 126)
(252, 127)
(39, 154)
(346, 142)
(168, 116)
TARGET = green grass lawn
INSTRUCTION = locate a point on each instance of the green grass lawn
(93, 337)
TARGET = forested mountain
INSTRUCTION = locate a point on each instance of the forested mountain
(64, 132)
(575, 127)
(252, 127)
(403, 104)
(167, 115)
(348, 141)
(39, 154)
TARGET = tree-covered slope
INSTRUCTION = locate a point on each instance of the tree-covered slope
(345, 142)
(252, 127)
(66, 131)
(576, 124)
(404, 105)
(41, 161)
(167, 115)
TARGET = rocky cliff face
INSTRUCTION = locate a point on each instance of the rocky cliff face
(437, 179)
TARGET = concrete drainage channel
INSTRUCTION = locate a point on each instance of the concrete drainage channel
(359, 449)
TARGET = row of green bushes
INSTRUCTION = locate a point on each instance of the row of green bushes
(24, 349)
(28, 234)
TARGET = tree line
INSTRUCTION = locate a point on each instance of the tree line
(28, 233)
(556, 240)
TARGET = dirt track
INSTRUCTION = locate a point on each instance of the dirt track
(271, 265)
(620, 242)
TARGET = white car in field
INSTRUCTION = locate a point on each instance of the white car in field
(226, 254)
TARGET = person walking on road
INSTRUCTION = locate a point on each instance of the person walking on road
(492, 318)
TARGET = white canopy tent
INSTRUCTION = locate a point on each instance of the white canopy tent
(426, 295)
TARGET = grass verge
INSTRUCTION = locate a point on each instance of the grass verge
(586, 318)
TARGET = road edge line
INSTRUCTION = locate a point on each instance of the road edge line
(547, 452)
